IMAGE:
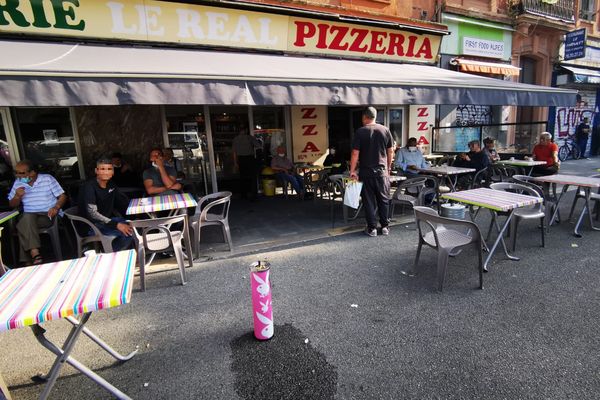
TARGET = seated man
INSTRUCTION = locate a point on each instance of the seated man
(103, 203)
(475, 158)
(170, 161)
(409, 158)
(160, 179)
(41, 197)
(123, 174)
(284, 169)
(547, 151)
(490, 149)
(335, 161)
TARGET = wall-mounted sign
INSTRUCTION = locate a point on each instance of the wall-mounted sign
(575, 44)
(421, 118)
(481, 47)
(309, 133)
(159, 21)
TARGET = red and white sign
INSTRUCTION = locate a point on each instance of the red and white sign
(420, 121)
(309, 133)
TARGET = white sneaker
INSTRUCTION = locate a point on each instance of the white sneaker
(371, 232)
(385, 231)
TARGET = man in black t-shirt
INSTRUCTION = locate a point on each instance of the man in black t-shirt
(101, 202)
(372, 152)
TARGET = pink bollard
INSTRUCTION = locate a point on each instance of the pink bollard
(262, 307)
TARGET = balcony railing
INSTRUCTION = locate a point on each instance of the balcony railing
(563, 9)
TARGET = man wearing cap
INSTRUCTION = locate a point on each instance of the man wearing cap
(371, 160)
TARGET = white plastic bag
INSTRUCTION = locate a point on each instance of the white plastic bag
(352, 194)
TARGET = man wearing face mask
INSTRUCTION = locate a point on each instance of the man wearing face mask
(284, 169)
(410, 158)
(41, 199)
(490, 149)
(160, 179)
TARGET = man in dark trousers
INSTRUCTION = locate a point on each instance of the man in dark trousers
(582, 133)
(101, 202)
(373, 153)
(244, 160)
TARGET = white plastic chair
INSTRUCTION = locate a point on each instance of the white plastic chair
(79, 223)
(440, 234)
(212, 209)
(153, 236)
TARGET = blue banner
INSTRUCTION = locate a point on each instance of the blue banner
(575, 44)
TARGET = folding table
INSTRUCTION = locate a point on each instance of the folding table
(447, 173)
(33, 295)
(168, 202)
(495, 201)
(582, 182)
(522, 164)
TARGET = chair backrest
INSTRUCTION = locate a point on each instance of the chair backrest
(143, 227)
(519, 188)
(81, 226)
(527, 181)
(428, 220)
(213, 207)
(481, 179)
(411, 186)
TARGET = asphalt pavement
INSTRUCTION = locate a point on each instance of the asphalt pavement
(350, 325)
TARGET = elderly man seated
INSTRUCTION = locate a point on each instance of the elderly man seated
(409, 158)
(475, 158)
(103, 203)
(284, 169)
(41, 198)
(160, 178)
(547, 151)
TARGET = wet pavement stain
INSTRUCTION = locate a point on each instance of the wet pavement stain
(284, 367)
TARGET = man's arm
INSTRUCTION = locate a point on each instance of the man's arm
(353, 163)
(390, 158)
(167, 179)
(15, 196)
(60, 202)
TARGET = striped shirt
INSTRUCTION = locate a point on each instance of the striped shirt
(41, 196)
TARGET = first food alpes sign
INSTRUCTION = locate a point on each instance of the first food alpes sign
(161, 22)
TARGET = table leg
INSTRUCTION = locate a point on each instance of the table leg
(63, 355)
(499, 239)
(557, 204)
(586, 209)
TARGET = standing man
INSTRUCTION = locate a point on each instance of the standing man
(103, 203)
(372, 152)
(245, 162)
(160, 179)
(582, 134)
(41, 197)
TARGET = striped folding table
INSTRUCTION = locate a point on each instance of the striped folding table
(522, 164)
(495, 201)
(450, 174)
(34, 295)
(169, 202)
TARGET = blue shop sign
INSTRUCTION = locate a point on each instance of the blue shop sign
(575, 44)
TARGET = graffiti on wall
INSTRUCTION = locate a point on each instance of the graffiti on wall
(473, 115)
(567, 119)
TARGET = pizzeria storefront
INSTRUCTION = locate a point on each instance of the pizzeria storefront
(127, 76)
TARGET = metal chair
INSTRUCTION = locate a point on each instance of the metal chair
(153, 236)
(432, 187)
(535, 211)
(212, 209)
(408, 192)
(480, 179)
(81, 226)
(580, 194)
(440, 233)
(336, 190)
(550, 200)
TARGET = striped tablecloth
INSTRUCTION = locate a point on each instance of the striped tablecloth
(6, 215)
(446, 170)
(497, 200)
(161, 203)
(45, 292)
(521, 163)
(564, 179)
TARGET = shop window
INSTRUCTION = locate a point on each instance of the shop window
(396, 124)
(45, 137)
(587, 10)
(269, 131)
(6, 171)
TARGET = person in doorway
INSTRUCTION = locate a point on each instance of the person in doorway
(547, 151)
(489, 147)
(335, 161)
(160, 179)
(371, 160)
(123, 174)
(582, 133)
(409, 158)
(284, 170)
(103, 203)
(475, 158)
(244, 158)
(41, 198)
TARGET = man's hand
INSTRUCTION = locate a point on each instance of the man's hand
(125, 229)
(52, 212)
(176, 186)
(354, 175)
(20, 192)
(412, 167)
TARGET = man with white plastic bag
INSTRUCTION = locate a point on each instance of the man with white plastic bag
(352, 194)
(373, 153)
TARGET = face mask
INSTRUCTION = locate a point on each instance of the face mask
(412, 148)
(24, 180)
(155, 165)
(332, 152)
(281, 155)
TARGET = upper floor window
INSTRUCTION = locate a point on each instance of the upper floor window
(587, 10)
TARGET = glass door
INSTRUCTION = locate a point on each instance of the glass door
(6, 159)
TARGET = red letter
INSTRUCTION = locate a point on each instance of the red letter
(361, 34)
(309, 130)
(410, 52)
(310, 147)
(396, 41)
(377, 42)
(322, 42)
(422, 126)
(308, 113)
(304, 30)
(340, 33)
(425, 49)
(422, 112)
